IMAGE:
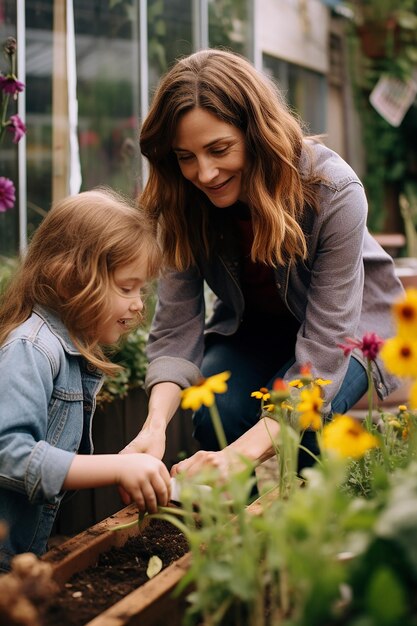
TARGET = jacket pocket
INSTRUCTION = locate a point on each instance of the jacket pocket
(65, 419)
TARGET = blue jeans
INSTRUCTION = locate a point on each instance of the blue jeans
(252, 360)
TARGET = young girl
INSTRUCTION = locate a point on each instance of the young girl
(78, 289)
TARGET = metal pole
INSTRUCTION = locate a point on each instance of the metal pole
(21, 109)
(144, 74)
(200, 18)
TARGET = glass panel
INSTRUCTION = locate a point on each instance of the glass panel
(9, 220)
(108, 92)
(39, 26)
(230, 25)
(169, 35)
(304, 89)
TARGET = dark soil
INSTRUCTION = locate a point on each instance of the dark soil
(118, 572)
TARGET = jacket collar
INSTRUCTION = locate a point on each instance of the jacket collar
(57, 327)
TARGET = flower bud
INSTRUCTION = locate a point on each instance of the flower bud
(10, 46)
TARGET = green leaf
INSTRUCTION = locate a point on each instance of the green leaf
(386, 598)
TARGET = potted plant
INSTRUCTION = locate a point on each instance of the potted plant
(386, 28)
(382, 38)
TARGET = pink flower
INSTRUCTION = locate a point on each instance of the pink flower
(7, 194)
(369, 346)
(17, 127)
(10, 85)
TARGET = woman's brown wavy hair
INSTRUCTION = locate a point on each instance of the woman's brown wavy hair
(228, 86)
(70, 263)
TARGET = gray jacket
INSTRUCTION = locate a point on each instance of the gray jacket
(344, 288)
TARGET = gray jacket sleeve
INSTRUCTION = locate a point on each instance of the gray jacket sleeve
(176, 341)
(334, 298)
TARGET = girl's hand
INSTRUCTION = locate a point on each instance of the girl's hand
(145, 480)
(146, 443)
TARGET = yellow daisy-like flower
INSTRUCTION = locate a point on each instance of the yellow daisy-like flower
(347, 438)
(310, 420)
(269, 407)
(262, 394)
(322, 382)
(400, 356)
(405, 313)
(310, 408)
(203, 392)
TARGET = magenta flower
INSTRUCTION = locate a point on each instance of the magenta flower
(369, 346)
(10, 85)
(17, 127)
(7, 194)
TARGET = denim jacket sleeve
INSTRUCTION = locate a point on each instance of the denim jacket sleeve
(28, 463)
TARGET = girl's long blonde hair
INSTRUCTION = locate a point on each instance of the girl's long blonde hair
(70, 263)
(228, 86)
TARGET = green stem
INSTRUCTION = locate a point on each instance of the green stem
(168, 517)
(162, 510)
(135, 522)
(314, 456)
(3, 123)
(218, 426)
(384, 452)
(368, 419)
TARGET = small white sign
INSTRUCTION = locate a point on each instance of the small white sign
(392, 97)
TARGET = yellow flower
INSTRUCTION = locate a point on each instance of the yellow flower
(347, 437)
(262, 394)
(310, 420)
(405, 313)
(317, 381)
(400, 356)
(321, 382)
(310, 407)
(203, 392)
(269, 407)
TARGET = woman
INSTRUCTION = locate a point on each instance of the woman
(275, 224)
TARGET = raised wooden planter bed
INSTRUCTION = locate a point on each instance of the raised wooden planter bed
(151, 604)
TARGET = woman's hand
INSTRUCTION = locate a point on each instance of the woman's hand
(225, 461)
(147, 442)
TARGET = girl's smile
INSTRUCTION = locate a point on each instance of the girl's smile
(211, 155)
(126, 301)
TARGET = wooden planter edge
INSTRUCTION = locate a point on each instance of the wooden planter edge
(150, 604)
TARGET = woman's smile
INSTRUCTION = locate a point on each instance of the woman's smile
(211, 155)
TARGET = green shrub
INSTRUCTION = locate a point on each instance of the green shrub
(7, 267)
(131, 356)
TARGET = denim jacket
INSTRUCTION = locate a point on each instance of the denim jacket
(344, 288)
(47, 400)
